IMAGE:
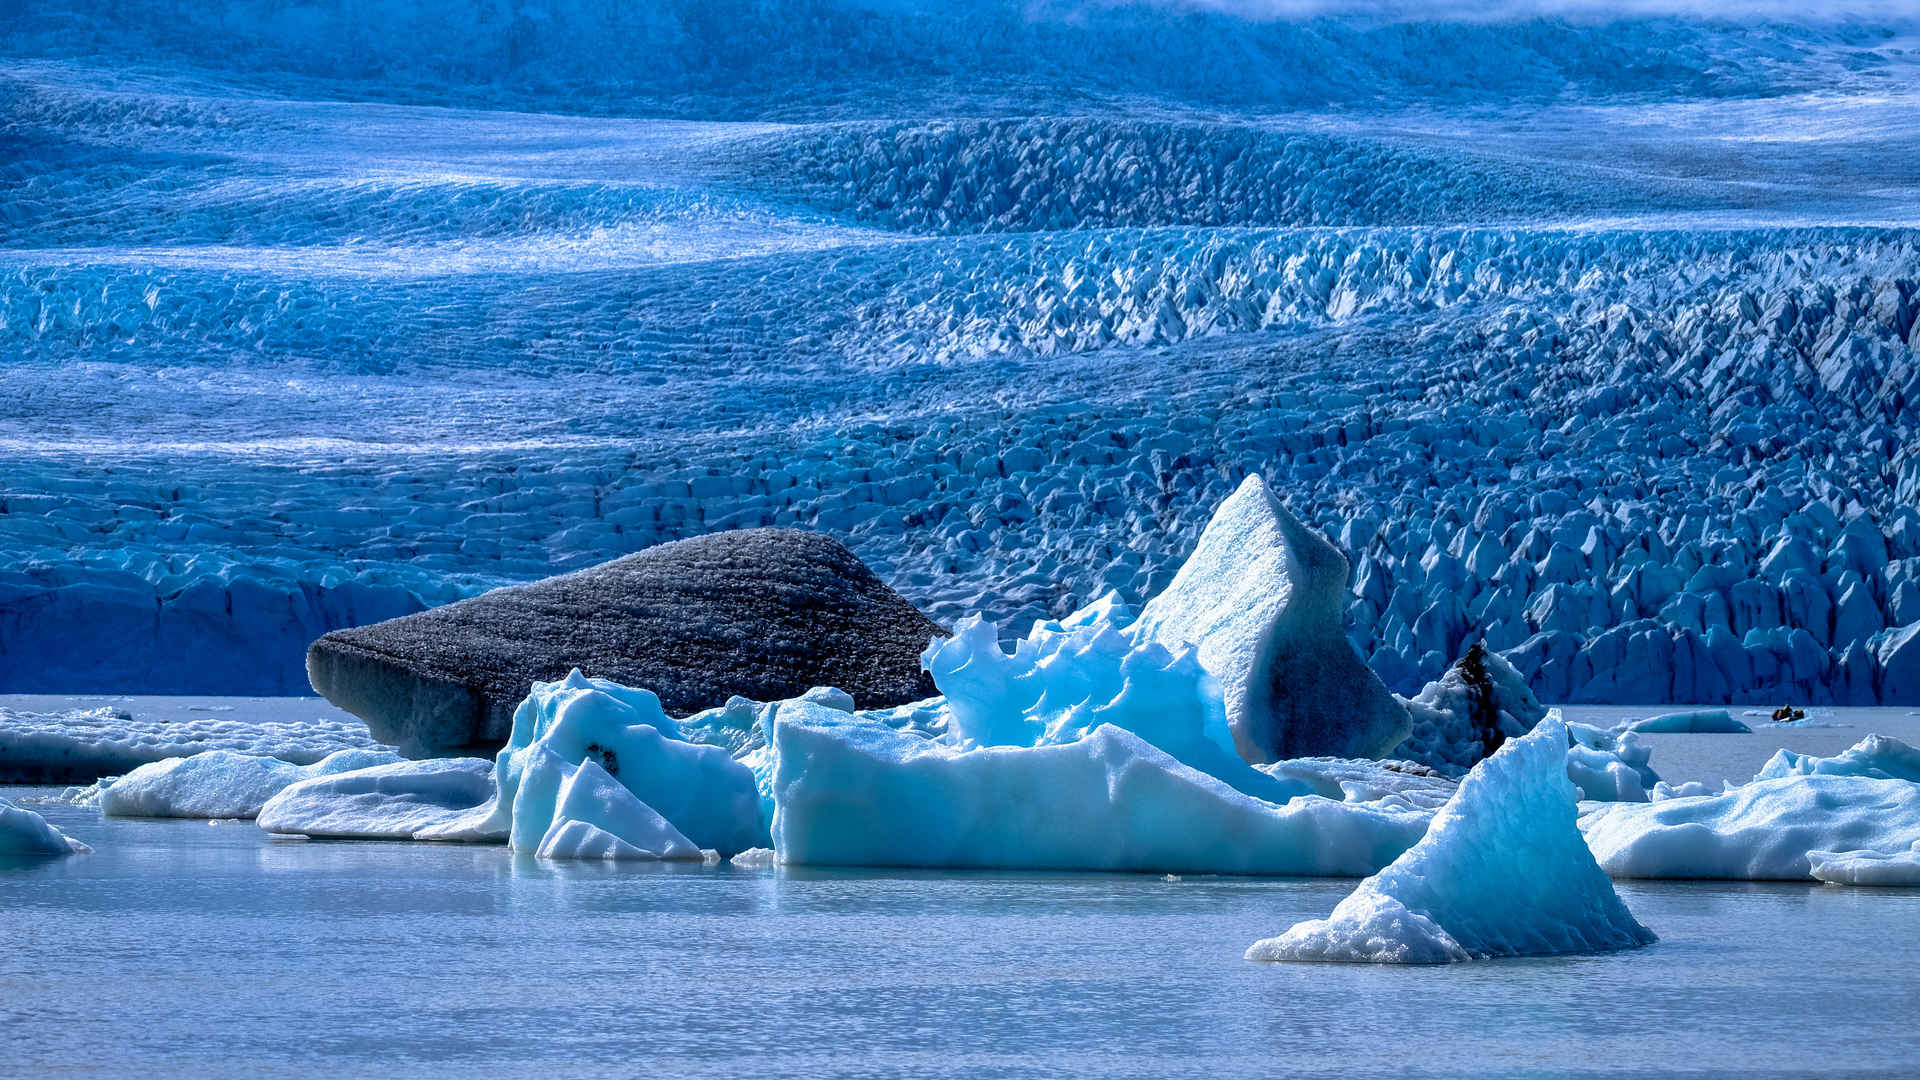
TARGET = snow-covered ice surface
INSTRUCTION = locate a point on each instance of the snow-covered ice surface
(217, 783)
(1592, 337)
(50, 739)
(1502, 871)
(385, 802)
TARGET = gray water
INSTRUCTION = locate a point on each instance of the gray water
(187, 949)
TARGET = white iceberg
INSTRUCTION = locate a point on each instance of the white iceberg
(705, 794)
(1263, 599)
(220, 783)
(1759, 831)
(851, 791)
(1609, 766)
(386, 802)
(1879, 756)
(1502, 871)
(1892, 869)
(23, 832)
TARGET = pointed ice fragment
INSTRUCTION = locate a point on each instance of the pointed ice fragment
(1262, 598)
(1502, 871)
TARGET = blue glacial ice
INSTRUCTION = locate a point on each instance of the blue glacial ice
(1691, 721)
(219, 783)
(701, 792)
(1502, 871)
(853, 792)
(1262, 597)
(595, 817)
(1862, 801)
(1609, 766)
(23, 832)
(1560, 342)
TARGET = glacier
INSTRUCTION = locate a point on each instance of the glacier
(1502, 871)
(1556, 339)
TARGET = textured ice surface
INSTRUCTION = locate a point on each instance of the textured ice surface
(1262, 597)
(1606, 358)
(1467, 713)
(220, 783)
(1609, 766)
(385, 802)
(853, 792)
(23, 832)
(86, 744)
(1761, 830)
(596, 817)
(1696, 722)
(1889, 868)
(1876, 755)
(700, 790)
(1502, 871)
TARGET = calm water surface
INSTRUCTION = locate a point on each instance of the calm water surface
(184, 949)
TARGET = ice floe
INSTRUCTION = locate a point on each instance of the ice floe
(219, 783)
(1502, 871)
(385, 802)
(850, 791)
(1609, 766)
(1694, 722)
(1883, 868)
(23, 832)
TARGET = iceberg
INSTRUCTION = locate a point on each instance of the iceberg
(850, 791)
(1896, 869)
(1067, 678)
(385, 802)
(1609, 766)
(1879, 756)
(1693, 722)
(82, 745)
(23, 832)
(704, 793)
(1764, 830)
(1466, 714)
(1502, 871)
(596, 817)
(1263, 597)
(219, 783)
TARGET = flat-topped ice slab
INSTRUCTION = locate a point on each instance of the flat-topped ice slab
(762, 613)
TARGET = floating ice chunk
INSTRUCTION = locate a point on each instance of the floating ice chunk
(1502, 871)
(1609, 766)
(1263, 598)
(755, 858)
(23, 832)
(1061, 682)
(1687, 790)
(1884, 868)
(220, 783)
(596, 817)
(1468, 712)
(1758, 831)
(1694, 722)
(853, 792)
(1878, 756)
(701, 790)
(386, 802)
